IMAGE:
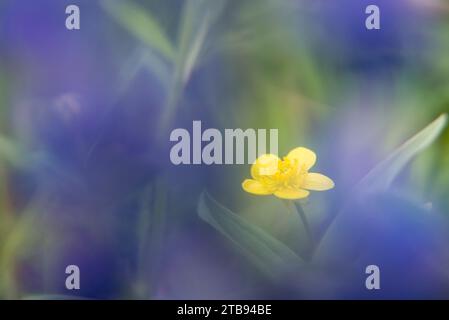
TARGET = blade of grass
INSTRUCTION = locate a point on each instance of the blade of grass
(197, 18)
(141, 24)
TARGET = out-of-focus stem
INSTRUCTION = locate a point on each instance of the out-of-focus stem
(296, 208)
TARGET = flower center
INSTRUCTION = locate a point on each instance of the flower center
(290, 174)
(285, 173)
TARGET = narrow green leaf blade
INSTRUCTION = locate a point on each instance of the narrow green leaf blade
(268, 254)
(142, 25)
(382, 175)
(375, 182)
(197, 18)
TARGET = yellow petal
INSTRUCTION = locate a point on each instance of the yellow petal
(317, 181)
(255, 187)
(265, 165)
(291, 194)
(304, 156)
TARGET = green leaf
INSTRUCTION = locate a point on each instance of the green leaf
(150, 236)
(141, 24)
(271, 256)
(382, 175)
(197, 18)
(376, 181)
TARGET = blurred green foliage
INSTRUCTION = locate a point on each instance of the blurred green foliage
(278, 69)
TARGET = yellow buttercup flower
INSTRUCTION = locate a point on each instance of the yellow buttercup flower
(288, 178)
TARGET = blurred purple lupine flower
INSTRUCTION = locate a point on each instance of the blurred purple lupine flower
(341, 26)
(407, 243)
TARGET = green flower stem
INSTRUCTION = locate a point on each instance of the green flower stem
(296, 208)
